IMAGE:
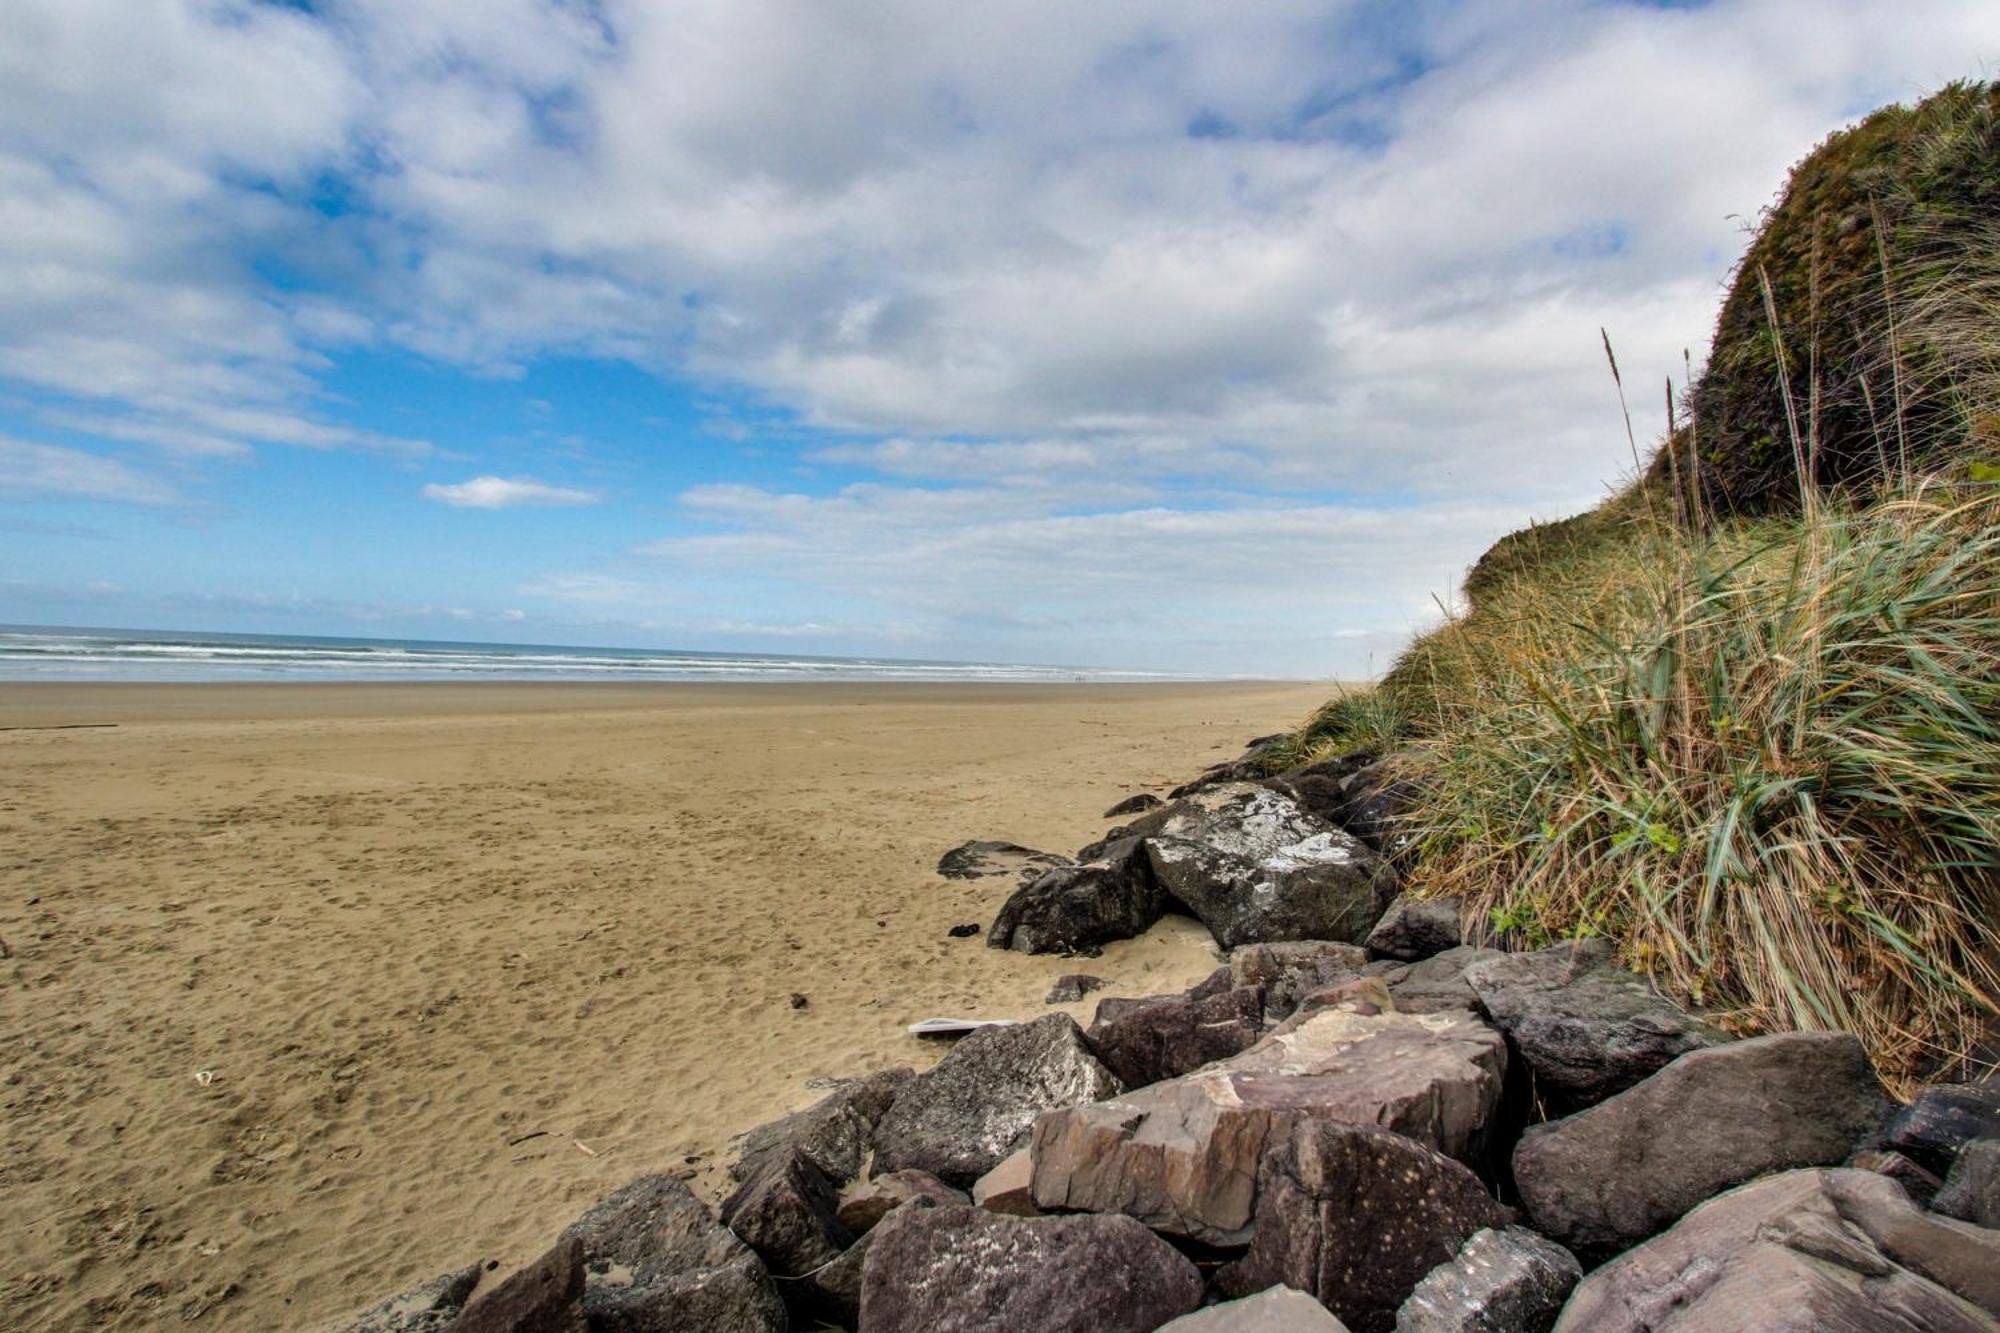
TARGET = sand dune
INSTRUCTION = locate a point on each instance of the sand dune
(313, 991)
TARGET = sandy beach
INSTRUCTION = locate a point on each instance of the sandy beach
(312, 991)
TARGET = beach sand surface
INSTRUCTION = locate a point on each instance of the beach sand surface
(311, 992)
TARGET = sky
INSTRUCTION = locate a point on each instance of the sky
(1162, 334)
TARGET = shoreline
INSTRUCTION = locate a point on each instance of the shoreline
(404, 925)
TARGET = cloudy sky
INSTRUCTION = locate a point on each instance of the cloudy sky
(1162, 333)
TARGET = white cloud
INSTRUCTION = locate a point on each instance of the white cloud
(30, 471)
(506, 493)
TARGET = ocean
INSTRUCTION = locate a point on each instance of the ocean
(33, 652)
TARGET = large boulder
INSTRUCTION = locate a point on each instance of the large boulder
(1607, 1177)
(1806, 1250)
(1181, 1156)
(1506, 1280)
(966, 1270)
(1253, 865)
(1079, 909)
(1941, 1119)
(1276, 1310)
(656, 1262)
(1176, 1034)
(1355, 1216)
(788, 1212)
(833, 1131)
(544, 1297)
(977, 860)
(1415, 928)
(1587, 1027)
(428, 1308)
(1971, 1192)
(958, 1118)
(1289, 970)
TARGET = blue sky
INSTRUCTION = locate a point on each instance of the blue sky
(1164, 334)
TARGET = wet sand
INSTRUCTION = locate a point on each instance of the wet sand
(313, 991)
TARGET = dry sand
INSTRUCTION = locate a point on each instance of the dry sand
(315, 991)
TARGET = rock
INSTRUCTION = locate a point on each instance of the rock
(1175, 1035)
(1587, 1027)
(1181, 1156)
(1356, 1215)
(836, 1288)
(656, 1262)
(1009, 1187)
(1378, 802)
(966, 1270)
(834, 1131)
(1134, 805)
(425, 1309)
(1501, 1281)
(976, 860)
(1321, 789)
(1971, 1192)
(1918, 1183)
(958, 1118)
(1613, 1175)
(1806, 1250)
(788, 1212)
(799, 1001)
(1438, 982)
(1415, 928)
(1941, 1119)
(1073, 986)
(1253, 866)
(867, 1203)
(544, 1297)
(1277, 1310)
(964, 931)
(1289, 970)
(1078, 909)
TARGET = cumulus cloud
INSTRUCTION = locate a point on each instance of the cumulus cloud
(506, 493)
(32, 471)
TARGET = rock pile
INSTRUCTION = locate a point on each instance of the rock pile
(1362, 1121)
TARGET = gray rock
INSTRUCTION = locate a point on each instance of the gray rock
(544, 1297)
(1378, 803)
(1277, 1310)
(1253, 866)
(1971, 1192)
(1079, 909)
(833, 1131)
(1613, 1175)
(1501, 1281)
(423, 1309)
(1289, 970)
(1073, 986)
(1587, 1027)
(865, 1204)
(1941, 1119)
(1182, 1156)
(1134, 805)
(1807, 1250)
(1415, 928)
(1438, 982)
(788, 1212)
(977, 860)
(1355, 1216)
(957, 1119)
(966, 1270)
(1175, 1035)
(656, 1262)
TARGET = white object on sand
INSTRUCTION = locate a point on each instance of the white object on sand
(956, 1027)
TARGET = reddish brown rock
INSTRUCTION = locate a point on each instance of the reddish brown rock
(965, 1270)
(864, 1204)
(1182, 1156)
(1171, 1036)
(1805, 1250)
(1356, 1216)
(1279, 1310)
(1009, 1187)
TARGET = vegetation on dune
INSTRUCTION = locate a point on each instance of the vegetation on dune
(1744, 717)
